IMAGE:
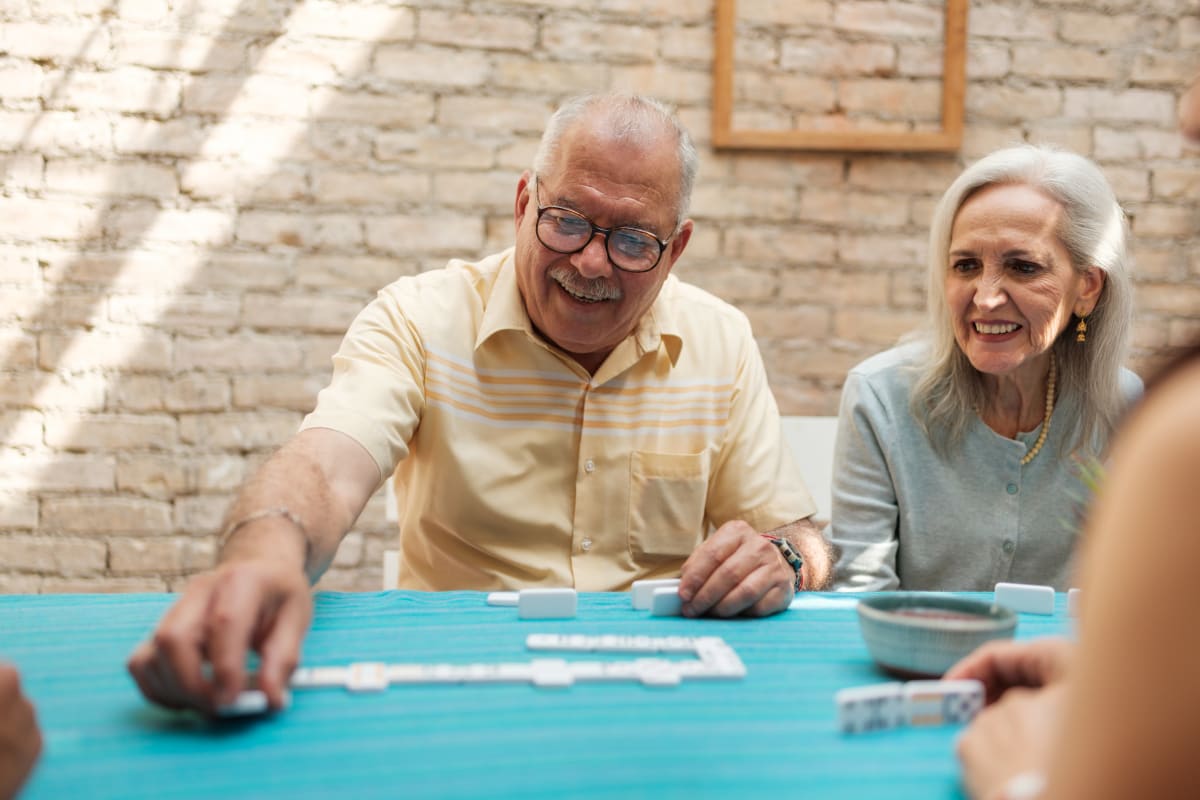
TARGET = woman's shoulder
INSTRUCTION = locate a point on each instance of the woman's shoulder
(1131, 385)
(897, 366)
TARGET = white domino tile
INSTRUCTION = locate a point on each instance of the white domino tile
(367, 676)
(250, 702)
(642, 591)
(552, 673)
(1025, 598)
(942, 702)
(503, 598)
(547, 603)
(319, 677)
(870, 708)
(665, 602)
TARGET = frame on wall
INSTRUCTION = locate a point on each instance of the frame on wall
(947, 139)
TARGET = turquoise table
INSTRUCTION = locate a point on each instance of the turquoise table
(772, 734)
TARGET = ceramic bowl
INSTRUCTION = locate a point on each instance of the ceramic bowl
(921, 635)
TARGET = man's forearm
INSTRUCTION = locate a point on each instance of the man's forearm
(287, 508)
(807, 538)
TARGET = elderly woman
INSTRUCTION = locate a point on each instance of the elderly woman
(958, 455)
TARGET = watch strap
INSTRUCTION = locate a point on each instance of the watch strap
(791, 556)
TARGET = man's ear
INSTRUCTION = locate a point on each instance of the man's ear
(524, 189)
(675, 248)
(1089, 293)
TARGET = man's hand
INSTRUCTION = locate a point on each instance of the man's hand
(1012, 737)
(736, 571)
(1006, 664)
(260, 604)
(20, 740)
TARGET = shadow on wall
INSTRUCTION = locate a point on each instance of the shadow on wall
(188, 316)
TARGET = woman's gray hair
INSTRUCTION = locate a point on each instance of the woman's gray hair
(628, 118)
(1093, 232)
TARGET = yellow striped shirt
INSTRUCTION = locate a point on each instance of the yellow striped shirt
(516, 468)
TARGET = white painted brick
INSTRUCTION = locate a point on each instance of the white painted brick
(384, 109)
(178, 50)
(444, 233)
(352, 20)
(31, 219)
(59, 42)
(485, 31)
(436, 66)
(126, 89)
(59, 555)
(237, 353)
(204, 226)
(50, 472)
(266, 429)
(299, 312)
(888, 19)
(104, 349)
(21, 428)
(120, 178)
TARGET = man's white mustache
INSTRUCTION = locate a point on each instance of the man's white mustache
(593, 289)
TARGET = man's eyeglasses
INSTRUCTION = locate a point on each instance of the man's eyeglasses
(565, 231)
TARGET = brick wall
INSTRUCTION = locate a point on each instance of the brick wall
(197, 196)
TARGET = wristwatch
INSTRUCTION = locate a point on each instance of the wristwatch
(790, 555)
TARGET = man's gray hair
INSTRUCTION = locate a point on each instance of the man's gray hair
(628, 118)
(1093, 232)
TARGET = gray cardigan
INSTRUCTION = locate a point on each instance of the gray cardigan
(905, 517)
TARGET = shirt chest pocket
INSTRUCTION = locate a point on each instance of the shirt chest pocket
(666, 503)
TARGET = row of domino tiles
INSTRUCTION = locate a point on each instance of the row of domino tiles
(716, 660)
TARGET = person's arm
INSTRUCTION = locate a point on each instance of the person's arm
(1133, 711)
(20, 739)
(865, 508)
(1129, 716)
(280, 535)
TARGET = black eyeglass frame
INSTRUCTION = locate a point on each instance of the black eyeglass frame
(662, 244)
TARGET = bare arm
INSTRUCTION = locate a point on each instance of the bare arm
(1133, 710)
(323, 478)
(258, 596)
(1125, 720)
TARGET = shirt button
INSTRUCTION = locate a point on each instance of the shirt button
(1011, 488)
(589, 466)
(586, 544)
(1009, 546)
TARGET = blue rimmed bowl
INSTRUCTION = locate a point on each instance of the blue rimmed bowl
(921, 635)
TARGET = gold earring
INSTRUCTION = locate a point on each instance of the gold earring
(1081, 330)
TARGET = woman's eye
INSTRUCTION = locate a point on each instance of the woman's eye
(964, 265)
(1025, 267)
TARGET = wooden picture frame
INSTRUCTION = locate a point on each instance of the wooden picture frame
(946, 139)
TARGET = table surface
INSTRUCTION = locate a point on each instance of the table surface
(772, 733)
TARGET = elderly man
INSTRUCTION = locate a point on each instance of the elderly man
(564, 413)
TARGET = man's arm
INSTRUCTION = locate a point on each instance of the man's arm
(281, 534)
(315, 486)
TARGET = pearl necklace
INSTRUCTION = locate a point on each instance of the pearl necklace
(1051, 385)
